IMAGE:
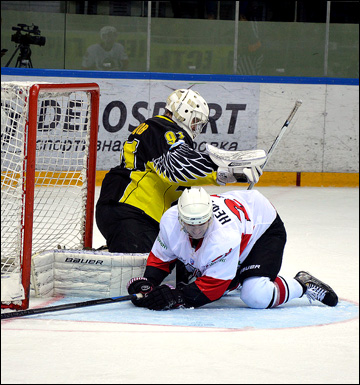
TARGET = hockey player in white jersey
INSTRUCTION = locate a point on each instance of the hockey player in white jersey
(225, 241)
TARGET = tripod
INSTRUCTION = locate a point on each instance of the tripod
(24, 58)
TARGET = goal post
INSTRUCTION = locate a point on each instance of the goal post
(48, 171)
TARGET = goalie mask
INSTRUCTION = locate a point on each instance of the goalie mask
(195, 212)
(189, 110)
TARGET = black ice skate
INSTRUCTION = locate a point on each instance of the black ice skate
(314, 289)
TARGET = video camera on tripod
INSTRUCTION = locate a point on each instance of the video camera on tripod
(27, 39)
(31, 35)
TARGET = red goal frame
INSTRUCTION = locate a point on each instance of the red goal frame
(29, 167)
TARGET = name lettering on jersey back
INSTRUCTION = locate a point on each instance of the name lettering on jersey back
(220, 215)
(140, 129)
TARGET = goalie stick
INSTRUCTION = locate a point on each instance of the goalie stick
(68, 306)
(281, 133)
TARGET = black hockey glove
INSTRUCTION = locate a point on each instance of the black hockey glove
(139, 285)
(163, 297)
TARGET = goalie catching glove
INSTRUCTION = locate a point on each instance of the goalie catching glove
(237, 166)
(162, 297)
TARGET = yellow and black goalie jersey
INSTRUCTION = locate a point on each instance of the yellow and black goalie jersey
(157, 162)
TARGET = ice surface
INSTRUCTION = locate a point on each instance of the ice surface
(223, 342)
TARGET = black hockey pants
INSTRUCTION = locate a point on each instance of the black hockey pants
(126, 228)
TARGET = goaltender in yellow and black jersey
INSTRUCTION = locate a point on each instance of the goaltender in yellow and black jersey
(157, 163)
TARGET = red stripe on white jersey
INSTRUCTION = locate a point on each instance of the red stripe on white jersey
(154, 261)
(245, 238)
(213, 288)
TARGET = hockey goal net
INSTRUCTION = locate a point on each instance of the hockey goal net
(48, 166)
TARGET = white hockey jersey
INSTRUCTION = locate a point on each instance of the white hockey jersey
(240, 218)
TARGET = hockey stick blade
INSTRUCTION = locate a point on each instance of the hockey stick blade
(67, 306)
(281, 133)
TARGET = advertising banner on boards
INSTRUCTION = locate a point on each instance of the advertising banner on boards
(243, 115)
(124, 104)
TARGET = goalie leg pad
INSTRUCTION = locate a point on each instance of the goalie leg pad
(84, 273)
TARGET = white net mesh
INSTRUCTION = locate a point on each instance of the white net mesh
(60, 191)
(14, 111)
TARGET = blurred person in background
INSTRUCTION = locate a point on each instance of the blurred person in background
(250, 50)
(108, 55)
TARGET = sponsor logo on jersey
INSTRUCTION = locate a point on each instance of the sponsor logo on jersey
(221, 258)
(162, 244)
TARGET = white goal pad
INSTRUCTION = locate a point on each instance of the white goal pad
(11, 288)
(84, 273)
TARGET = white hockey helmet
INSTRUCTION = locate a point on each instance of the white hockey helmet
(189, 110)
(195, 211)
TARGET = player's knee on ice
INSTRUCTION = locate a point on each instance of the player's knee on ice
(257, 292)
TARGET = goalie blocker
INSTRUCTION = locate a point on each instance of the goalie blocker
(237, 166)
